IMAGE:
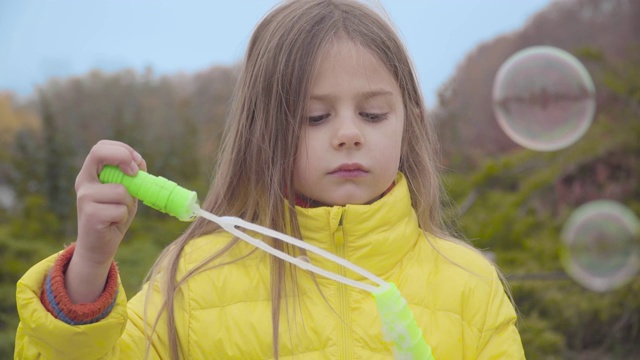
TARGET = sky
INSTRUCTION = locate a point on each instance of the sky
(40, 39)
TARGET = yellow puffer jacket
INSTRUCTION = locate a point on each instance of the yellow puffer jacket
(225, 313)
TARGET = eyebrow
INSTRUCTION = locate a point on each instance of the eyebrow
(362, 96)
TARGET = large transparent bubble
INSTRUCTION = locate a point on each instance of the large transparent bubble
(543, 98)
(601, 248)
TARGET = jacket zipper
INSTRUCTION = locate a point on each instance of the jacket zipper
(343, 294)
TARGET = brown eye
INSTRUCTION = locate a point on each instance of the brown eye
(317, 119)
(374, 117)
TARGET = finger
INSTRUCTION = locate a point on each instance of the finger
(128, 164)
(104, 194)
(142, 165)
(137, 158)
(112, 153)
(100, 206)
(106, 215)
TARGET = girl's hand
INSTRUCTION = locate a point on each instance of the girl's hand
(105, 212)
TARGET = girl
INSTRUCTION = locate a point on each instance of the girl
(327, 141)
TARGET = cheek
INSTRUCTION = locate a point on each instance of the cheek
(396, 135)
(392, 157)
(301, 164)
(395, 146)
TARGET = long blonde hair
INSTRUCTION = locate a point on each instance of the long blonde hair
(256, 160)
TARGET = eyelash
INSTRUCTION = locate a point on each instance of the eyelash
(374, 117)
(370, 117)
(315, 120)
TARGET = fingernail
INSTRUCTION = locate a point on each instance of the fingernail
(137, 157)
(133, 167)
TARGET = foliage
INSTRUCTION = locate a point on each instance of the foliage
(518, 209)
(17, 254)
(604, 37)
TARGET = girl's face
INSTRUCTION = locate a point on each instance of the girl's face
(349, 152)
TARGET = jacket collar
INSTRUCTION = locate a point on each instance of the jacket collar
(375, 236)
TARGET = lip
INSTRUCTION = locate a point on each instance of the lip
(351, 170)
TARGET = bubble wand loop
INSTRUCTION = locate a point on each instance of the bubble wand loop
(232, 225)
(164, 195)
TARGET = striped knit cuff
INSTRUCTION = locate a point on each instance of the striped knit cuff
(56, 300)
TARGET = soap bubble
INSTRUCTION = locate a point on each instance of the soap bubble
(543, 98)
(601, 249)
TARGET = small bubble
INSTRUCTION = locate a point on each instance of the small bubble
(601, 248)
(544, 98)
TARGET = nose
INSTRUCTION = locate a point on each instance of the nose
(347, 134)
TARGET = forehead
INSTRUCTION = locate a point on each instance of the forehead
(347, 64)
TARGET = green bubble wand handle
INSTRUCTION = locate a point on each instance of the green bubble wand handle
(156, 192)
(399, 325)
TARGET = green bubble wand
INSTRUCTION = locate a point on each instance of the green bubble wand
(398, 323)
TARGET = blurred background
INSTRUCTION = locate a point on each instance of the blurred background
(159, 75)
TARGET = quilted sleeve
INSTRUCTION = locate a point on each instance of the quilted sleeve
(499, 338)
(115, 332)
